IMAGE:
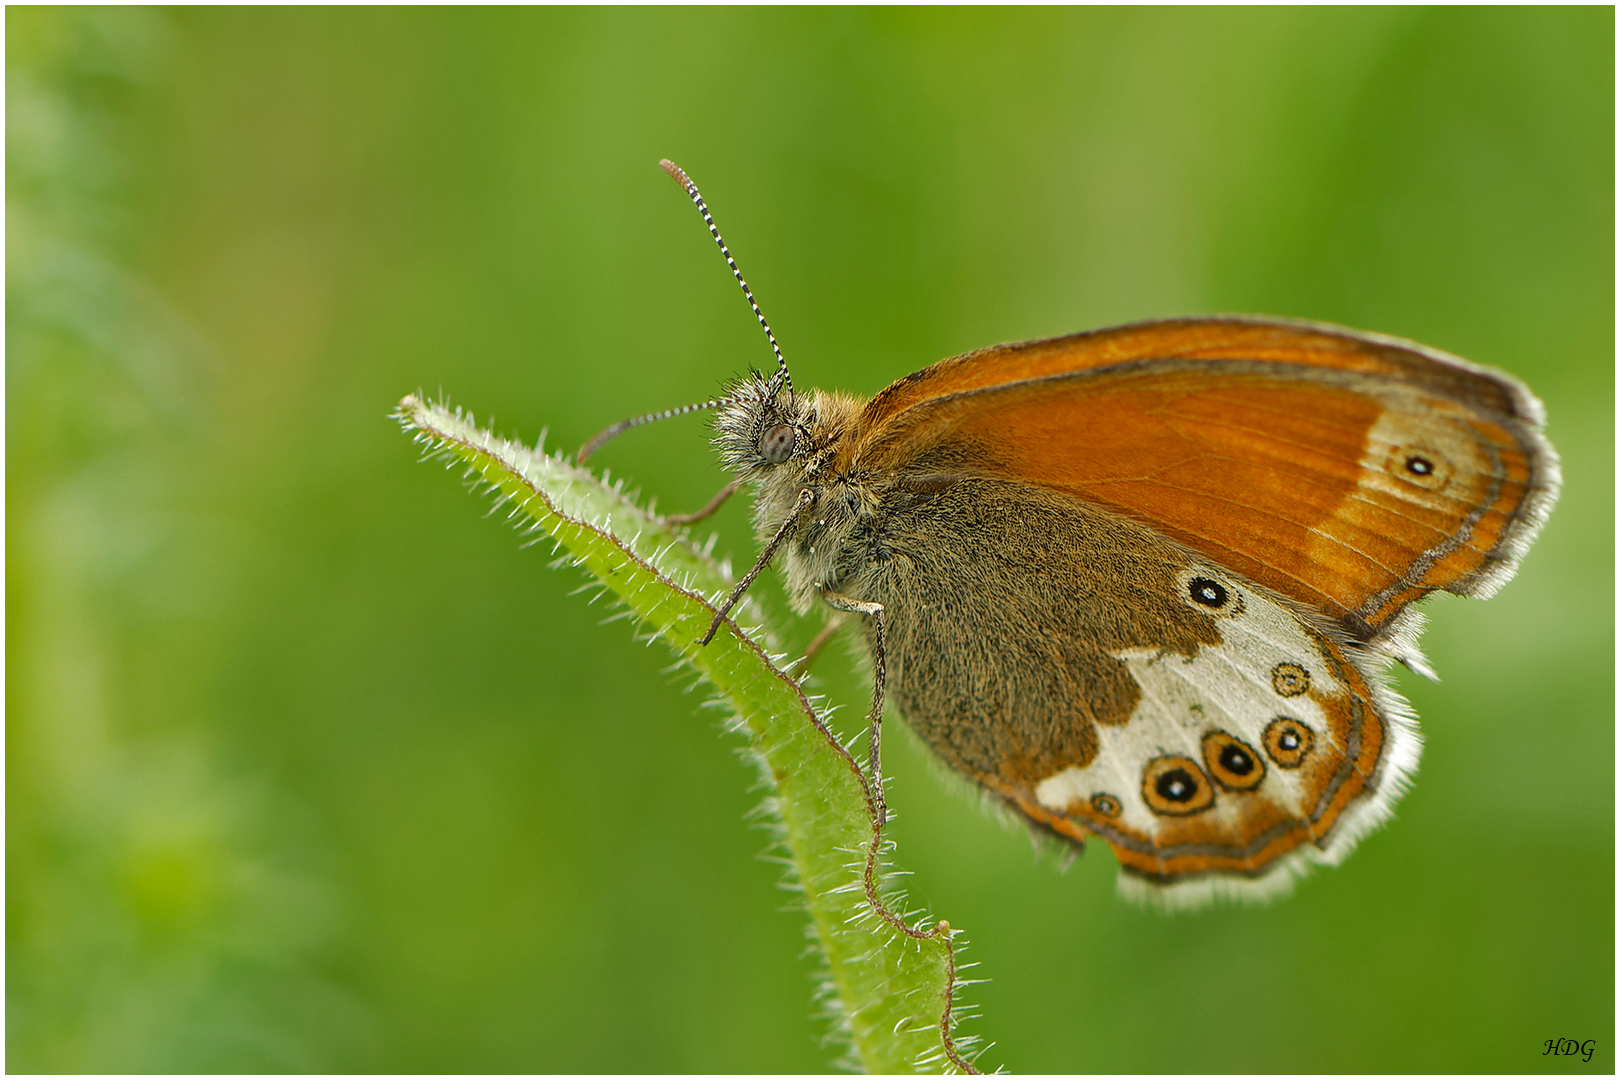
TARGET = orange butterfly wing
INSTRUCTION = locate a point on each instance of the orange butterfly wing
(1350, 472)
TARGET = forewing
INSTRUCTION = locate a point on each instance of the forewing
(1348, 472)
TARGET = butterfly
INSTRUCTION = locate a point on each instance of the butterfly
(1143, 584)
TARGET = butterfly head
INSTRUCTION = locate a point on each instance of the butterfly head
(763, 426)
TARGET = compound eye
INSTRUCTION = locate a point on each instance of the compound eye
(777, 444)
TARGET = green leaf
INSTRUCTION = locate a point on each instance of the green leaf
(891, 979)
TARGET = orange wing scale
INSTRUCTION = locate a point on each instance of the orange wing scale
(1312, 345)
(1281, 451)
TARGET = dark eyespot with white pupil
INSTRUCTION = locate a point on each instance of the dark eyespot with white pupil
(1177, 786)
(1211, 594)
(777, 444)
(1419, 465)
(1235, 759)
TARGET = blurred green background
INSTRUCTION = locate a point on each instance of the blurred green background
(310, 767)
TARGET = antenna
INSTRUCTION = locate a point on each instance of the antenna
(636, 421)
(781, 378)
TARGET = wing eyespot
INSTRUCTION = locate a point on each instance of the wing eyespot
(1176, 787)
(1420, 466)
(1290, 680)
(1210, 594)
(1288, 742)
(1234, 764)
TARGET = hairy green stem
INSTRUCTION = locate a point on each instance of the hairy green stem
(892, 976)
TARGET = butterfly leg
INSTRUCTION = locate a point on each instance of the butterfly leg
(806, 498)
(709, 509)
(874, 611)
